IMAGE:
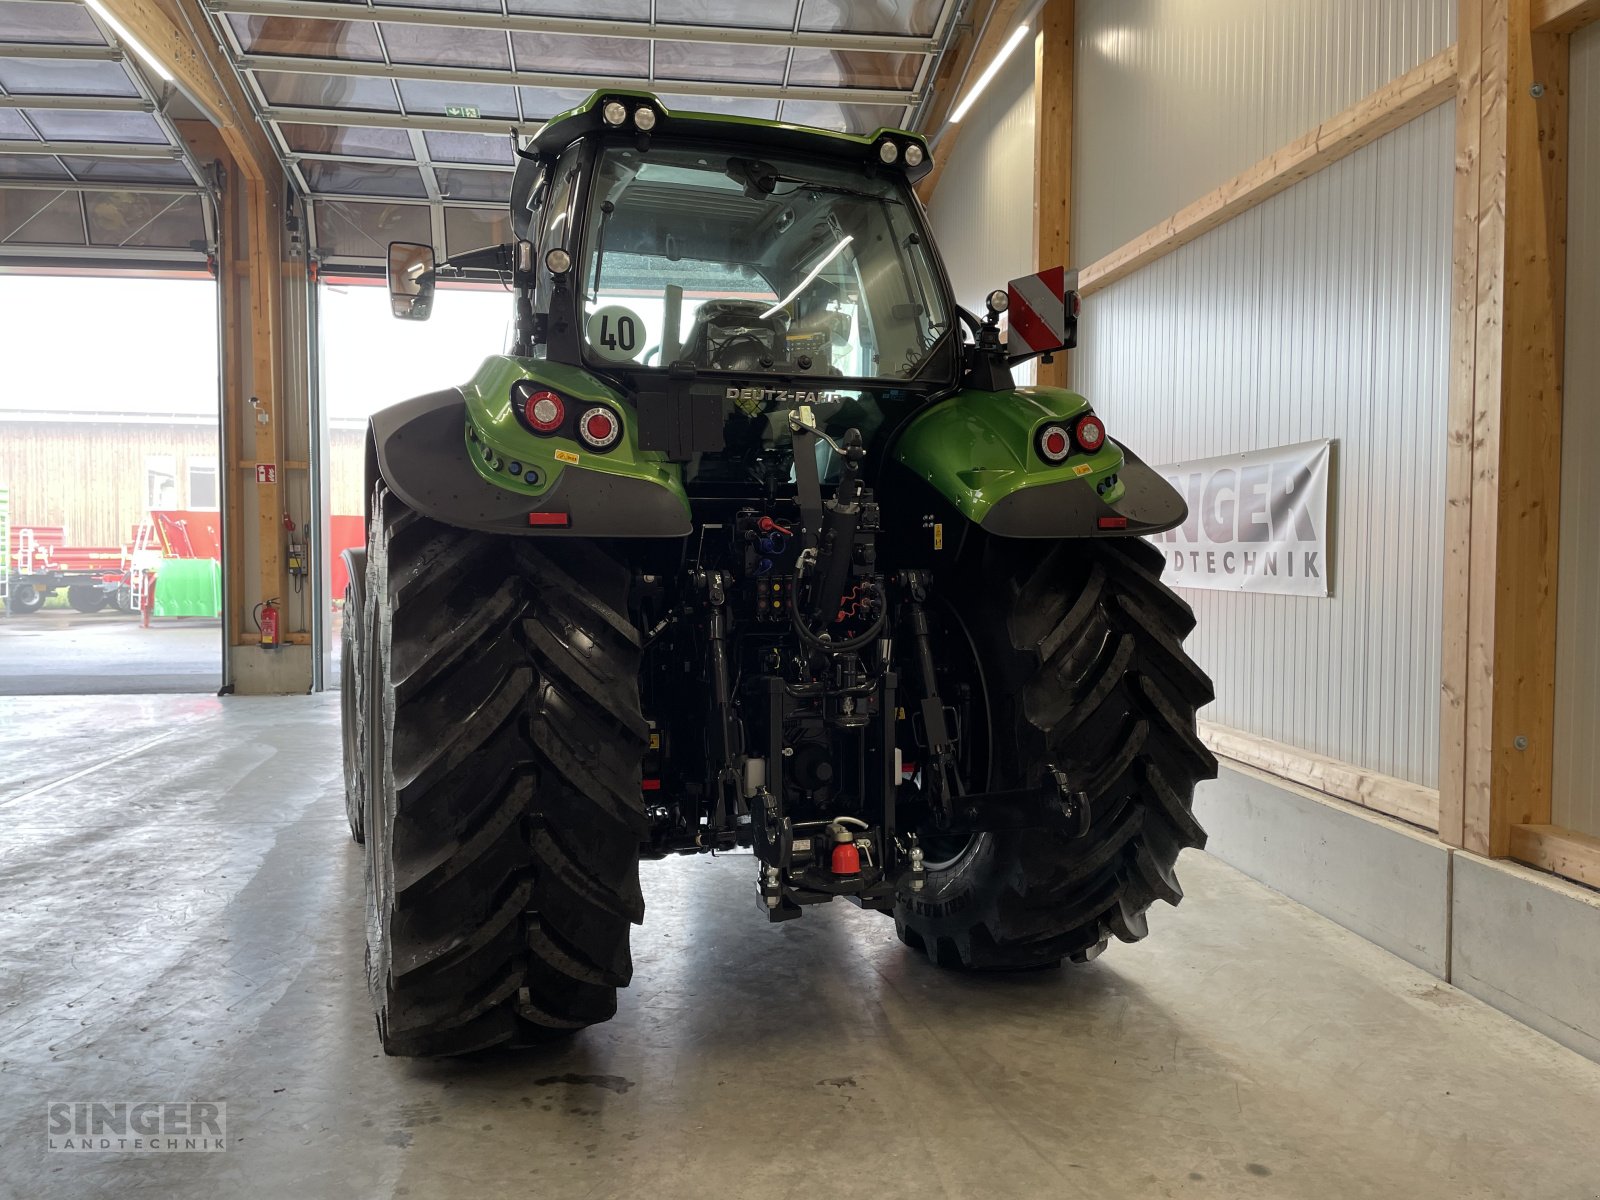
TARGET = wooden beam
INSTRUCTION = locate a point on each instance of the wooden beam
(1564, 852)
(1419, 90)
(176, 32)
(1564, 16)
(1410, 802)
(1503, 468)
(993, 22)
(1052, 152)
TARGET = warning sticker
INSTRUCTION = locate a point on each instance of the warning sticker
(566, 456)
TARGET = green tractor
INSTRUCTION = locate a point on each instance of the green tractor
(750, 541)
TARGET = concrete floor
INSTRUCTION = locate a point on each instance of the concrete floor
(59, 652)
(179, 919)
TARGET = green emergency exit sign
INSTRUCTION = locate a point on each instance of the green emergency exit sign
(460, 110)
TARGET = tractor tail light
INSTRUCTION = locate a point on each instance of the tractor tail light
(1054, 445)
(599, 428)
(544, 412)
(1091, 434)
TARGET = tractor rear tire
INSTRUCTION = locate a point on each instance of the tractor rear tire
(353, 690)
(1081, 653)
(504, 813)
(27, 598)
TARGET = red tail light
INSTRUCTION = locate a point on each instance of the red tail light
(599, 428)
(1091, 434)
(1054, 445)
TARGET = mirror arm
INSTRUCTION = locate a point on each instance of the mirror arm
(501, 258)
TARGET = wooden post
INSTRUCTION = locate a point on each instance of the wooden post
(250, 274)
(1052, 126)
(1503, 467)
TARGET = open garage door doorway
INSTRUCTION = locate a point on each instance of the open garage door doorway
(110, 484)
(368, 360)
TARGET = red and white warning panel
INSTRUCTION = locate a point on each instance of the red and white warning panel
(1040, 309)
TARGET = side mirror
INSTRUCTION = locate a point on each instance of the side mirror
(411, 279)
(1043, 311)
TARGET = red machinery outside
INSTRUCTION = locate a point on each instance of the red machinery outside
(171, 566)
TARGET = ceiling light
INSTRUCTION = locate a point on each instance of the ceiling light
(983, 80)
(129, 40)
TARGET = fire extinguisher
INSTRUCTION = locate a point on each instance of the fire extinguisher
(267, 622)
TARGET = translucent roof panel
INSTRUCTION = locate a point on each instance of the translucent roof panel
(854, 68)
(764, 110)
(489, 6)
(908, 18)
(364, 179)
(129, 219)
(847, 118)
(14, 128)
(607, 10)
(445, 146)
(443, 130)
(327, 91)
(718, 62)
(31, 166)
(624, 57)
(421, 96)
(64, 77)
(347, 139)
(491, 186)
(29, 218)
(127, 170)
(347, 229)
(540, 104)
(740, 14)
(430, 46)
(82, 125)
(355, 41)
(470, 228)
(61, 24)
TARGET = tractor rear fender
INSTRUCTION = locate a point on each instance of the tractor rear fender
(450, 456)
(984, 452)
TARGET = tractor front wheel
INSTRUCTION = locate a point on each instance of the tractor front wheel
(503, 814)
(1075, 650)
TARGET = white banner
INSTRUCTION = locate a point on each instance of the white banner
(1258, 522)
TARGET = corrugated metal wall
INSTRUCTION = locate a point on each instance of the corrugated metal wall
(1577, 749)
(1176, 96)
(1322, 313)
(982, 210)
